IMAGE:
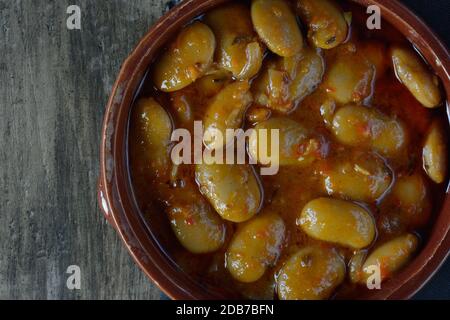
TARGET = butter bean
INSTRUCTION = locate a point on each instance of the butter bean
(195, 223)
(187, 103)
(294, 147)
(435, 152)
(257, 114)
(327, 110)
(186, 59)
(355, 266)
(360, 176)
(182, 108)
(411, 200)
(313, 273)
(255, 246)
(338, 221)
(413, 73)
(238, 50)
(276, 25)
(366, 127)
(307, 73)
(390, 257)
(349, 77)
(212, 83)
(153, 128)
(226, 111)
(327, 27)
(233, 190)
(285, 82)
(271, 88)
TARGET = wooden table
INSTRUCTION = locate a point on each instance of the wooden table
(54, 84)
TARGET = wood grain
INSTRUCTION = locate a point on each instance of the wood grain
(54, 84)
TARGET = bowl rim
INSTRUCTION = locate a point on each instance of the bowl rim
(116, 198)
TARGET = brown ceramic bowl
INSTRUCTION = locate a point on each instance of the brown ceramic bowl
(115, 191)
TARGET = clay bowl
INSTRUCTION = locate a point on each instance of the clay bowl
(115, 191)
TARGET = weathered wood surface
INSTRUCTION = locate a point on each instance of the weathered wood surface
(54, 84)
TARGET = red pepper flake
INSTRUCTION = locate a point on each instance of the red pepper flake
(363, 128)
(190, 221)
(262, 234)
(384, 267)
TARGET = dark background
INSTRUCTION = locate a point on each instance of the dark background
(54, 84)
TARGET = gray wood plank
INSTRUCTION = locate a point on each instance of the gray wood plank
(54, 86)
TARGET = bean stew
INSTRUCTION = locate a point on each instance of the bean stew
(362, 150)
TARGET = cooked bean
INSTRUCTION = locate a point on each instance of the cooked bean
(186, 59)
(255, 246)
(188, 102)
(327, 110)
(238, 49)
(277, 85)
(411, 199)
(359, 176)
(435, 153)
(212, 83)
(355, 266)
(413, 73)
(233, 190)
(182, 107)
(275, 23)
(310, 274)
(349, 77)
(271, 88)
(286, 81)
(154, 129)
(226, 111)
(254, 58)
(306, 75)
(390, 257)
(327, 27)
(257, 114)
(366, 127)
(294, 146)
(195, 223)
(338, 221)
